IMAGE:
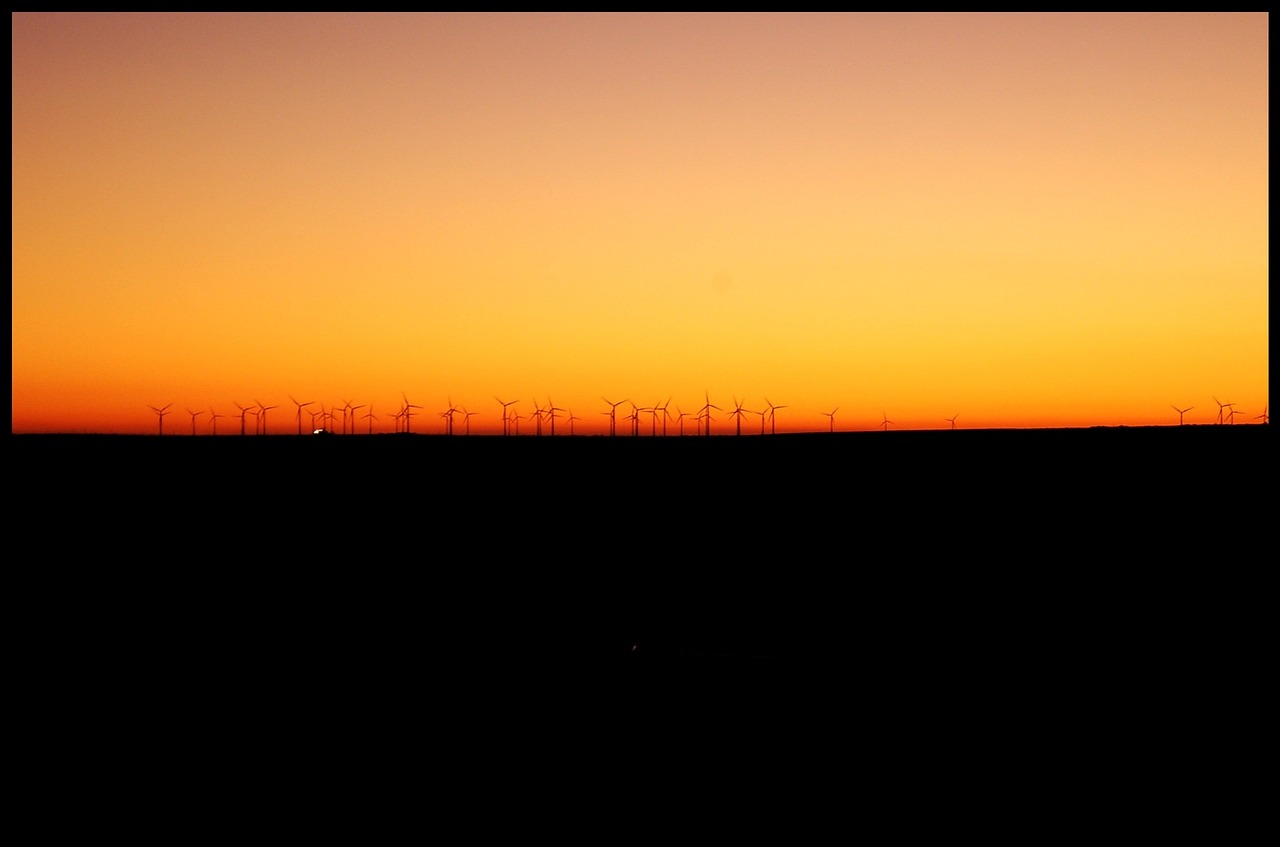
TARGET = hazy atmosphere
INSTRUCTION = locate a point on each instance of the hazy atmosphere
(990, 220)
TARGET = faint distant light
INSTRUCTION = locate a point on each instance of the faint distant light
(321, 432)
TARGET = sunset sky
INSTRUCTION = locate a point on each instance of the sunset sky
(1019, 220)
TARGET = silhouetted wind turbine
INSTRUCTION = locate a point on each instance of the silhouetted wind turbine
(572, 418)
(537, 418)
(355, 409)
(885, 423)
(300, 407)
(666, 416)
(1181, 412)
(506, 425)
(162, 411)
(1262, 417)
(193, 419)
(953, 419)
(1221, 406)
(213, 419)
(634, 417)
(636, 412)
(738, 412)
(773, 412)
(262, 415)
(832, 415)
(612, 413)
(346, 410)
(763, 414)
(371, 417)
(448, 414)
(466, 420)
(704, 413)
(680, 416)
(552, 408)
(653, 411)
(243, 411)
(407, 414)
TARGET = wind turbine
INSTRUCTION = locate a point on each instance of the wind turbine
(1262, 417)
(353, 416)
(300, 407)
(262, 415)
(704, 413)
(1181, 412)
(773, 412)
(194, 415)
(244, 410)
(346, 409)
(1221, 406)
(466, 420)
(680, 416)
(448, 414)
(612, 413)
(636, 411)
(832, 415)
(953, 419)
(634, 417)
(552, 408)
(506, 425)
(738, 412)
(371, 417)
(666, 416)
(572, 418)
(407, 414)
(537, 418)
(885, 423)
(653, 411)
(162, 411)
(213, 419)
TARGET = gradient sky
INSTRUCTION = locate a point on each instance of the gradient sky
(1023, 219)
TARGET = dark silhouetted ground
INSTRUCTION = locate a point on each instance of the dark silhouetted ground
(948, 555)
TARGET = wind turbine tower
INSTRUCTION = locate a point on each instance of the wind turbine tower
(773, 413)
(161, 412)
(300, 408)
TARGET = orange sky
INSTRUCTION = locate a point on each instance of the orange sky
(1020, 219)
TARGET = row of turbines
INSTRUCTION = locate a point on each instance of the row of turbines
(1226, 413)
(344, 417)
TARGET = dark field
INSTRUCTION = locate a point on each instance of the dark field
(994, 546)
(1017, 622)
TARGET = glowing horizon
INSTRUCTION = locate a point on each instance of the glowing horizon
(1017, 219)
